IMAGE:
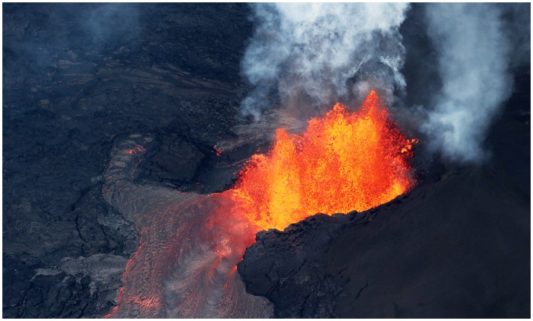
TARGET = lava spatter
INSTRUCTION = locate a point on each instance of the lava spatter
(343, 161)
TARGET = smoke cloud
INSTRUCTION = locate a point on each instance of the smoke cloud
(473, 65)
(314, 54)
(304, 57)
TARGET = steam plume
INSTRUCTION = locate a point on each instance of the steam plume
(473, 65)
(314, 54)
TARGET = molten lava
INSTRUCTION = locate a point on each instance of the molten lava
(190, 244)
(343, 161)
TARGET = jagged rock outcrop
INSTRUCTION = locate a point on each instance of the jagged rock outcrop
(444, 250)
(286, 267)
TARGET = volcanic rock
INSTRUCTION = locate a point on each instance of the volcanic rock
(176, 160)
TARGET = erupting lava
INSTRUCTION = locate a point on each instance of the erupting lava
(190, 244)
(344, 161)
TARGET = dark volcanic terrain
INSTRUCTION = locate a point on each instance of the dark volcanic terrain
(80, 77)
(76, 78)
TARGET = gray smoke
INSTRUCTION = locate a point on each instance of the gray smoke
(473, 65)
(314, 54)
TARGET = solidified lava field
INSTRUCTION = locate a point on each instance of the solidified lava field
(136, 186)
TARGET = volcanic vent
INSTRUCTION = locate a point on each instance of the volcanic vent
(190, 244)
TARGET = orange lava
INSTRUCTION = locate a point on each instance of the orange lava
(343, 161)
(135, 150)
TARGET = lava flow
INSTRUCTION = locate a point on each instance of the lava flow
(344, 161)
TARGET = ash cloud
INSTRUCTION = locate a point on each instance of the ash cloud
(314, 54)
(474, 55)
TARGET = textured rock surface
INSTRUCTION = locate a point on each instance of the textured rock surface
(77, 77)
(287, 267)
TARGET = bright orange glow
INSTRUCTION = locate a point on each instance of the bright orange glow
(343, 161)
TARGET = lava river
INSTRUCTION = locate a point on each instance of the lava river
(189, 244)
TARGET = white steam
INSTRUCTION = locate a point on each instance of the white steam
(314, 54)
(473, 64)
(306, 56)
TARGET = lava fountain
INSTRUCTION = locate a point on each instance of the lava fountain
(190, 244)
(343, 161)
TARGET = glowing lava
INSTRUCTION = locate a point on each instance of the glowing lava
(343, 161)
(190, 244)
